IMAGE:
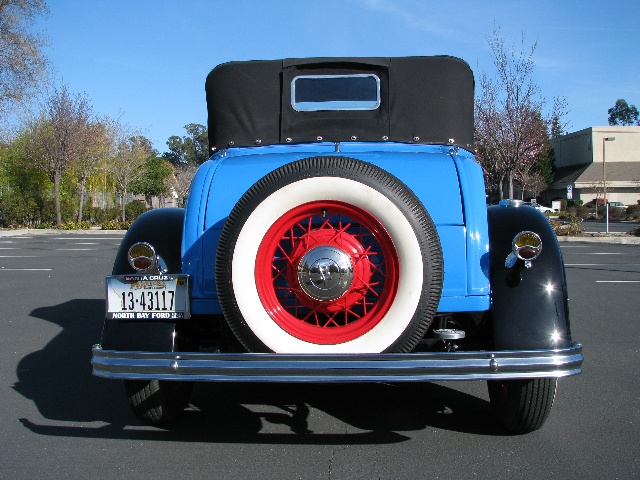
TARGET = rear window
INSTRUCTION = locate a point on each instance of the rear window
(335, 92)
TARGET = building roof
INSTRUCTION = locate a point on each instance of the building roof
(567, 175)
(619, 174)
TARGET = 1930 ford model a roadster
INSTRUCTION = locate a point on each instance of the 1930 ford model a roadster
(339, 233)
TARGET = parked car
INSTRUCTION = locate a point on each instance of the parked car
(339, 233)
(539, 207)
(617, 204)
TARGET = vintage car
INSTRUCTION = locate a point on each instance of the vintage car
(339, 233)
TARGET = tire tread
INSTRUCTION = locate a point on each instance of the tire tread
(522, 406)
(156, 401)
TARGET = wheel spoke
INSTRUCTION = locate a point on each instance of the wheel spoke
(340, 228)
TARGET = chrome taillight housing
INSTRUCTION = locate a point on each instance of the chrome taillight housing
(143, 258)
(526, 246)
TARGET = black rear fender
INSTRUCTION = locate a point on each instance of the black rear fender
(529, 306)
(162, 228)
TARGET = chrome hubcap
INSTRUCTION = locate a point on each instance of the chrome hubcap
(325, 273)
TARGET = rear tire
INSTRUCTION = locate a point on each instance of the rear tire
(152, 401)
(157, 401)
(329, 255)
(522, 406)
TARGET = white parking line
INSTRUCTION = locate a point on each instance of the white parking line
(2, 269)
(617, 281)
(599, 264)
(88, 238)
(604, 253)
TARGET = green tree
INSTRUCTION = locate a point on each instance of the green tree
(153, 181)
(623, 114)
(536, 176)
(191, 149)
(539, 174)
(25, 197)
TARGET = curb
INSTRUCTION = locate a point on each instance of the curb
(614, 239)
(52, 231)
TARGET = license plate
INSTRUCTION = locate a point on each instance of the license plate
(148, 297)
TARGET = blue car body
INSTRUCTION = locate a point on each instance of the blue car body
(447, 180)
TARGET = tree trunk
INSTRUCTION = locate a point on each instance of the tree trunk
(510, 191)
(56, 196)
(81, 200)
(124, 196)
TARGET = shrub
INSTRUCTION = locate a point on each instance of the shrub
(615, 213)
(116, 225)
(74, 226)
(134, 209)
(566, 229)
(633, 212)
(635, 231)
(97, 215)
(16, 210)
(575, 213)
(44, 225)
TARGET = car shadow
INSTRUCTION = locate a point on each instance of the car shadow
(58, 379)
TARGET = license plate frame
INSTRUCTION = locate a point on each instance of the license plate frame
(148, 297)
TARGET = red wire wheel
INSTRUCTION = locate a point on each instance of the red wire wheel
(327, 272)
(329, 255)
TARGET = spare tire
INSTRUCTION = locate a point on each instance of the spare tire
(329, 255)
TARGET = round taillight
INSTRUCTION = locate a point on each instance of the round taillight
(527, 245)
(142, 256)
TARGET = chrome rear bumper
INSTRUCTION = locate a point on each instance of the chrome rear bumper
(396, 367)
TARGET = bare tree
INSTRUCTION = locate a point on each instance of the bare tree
(131, 150)
(98, 146)
(22, 63)
(180, 182)
(511, 128)
(59, 137)
(532, 182)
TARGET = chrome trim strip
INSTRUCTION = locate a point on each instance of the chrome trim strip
(258, 367)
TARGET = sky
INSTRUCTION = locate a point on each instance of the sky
(147, 60)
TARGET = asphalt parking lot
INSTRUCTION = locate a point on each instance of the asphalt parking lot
(59, 421)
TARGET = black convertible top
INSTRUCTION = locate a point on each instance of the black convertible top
(422, 100)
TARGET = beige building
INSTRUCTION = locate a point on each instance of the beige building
(597, 161)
